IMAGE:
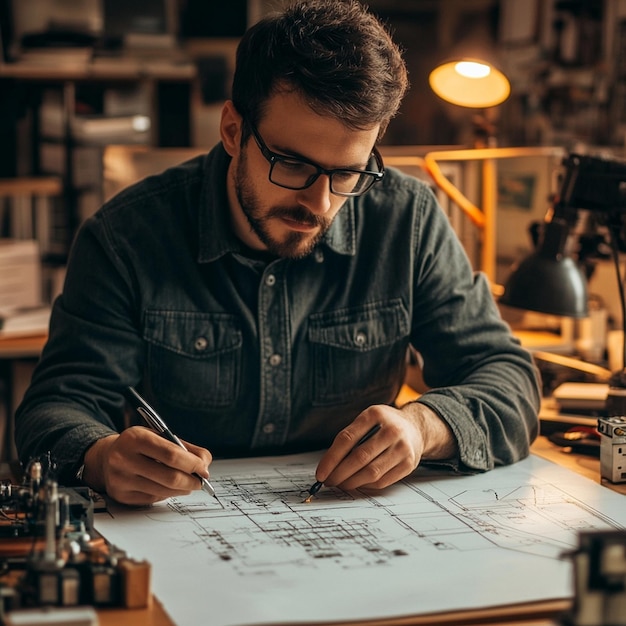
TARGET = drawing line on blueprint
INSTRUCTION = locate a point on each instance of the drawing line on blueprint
(262, 522)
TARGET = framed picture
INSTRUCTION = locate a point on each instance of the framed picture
(516, 190)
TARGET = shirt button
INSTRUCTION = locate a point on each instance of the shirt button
(319, 256)
(268, 429)
(275, 360)
(360, 339)
(270, 280)
(200, 344)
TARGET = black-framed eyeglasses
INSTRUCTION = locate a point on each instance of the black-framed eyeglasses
(298, 173)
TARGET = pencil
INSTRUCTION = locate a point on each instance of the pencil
(317, 485)
(157, 424)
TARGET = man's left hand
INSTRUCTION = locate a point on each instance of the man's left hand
(406, 436)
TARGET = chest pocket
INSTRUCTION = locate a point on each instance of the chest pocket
(194, 359)
(358, 352)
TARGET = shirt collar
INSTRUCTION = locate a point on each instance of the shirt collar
(215, 234)
(341, 236)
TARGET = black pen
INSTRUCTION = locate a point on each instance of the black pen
(155, 421)
(317, 485)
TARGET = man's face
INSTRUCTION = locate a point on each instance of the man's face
(286, 222)
(286, 230)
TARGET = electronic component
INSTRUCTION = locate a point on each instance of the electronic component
(56, 558)
(594, 183)
(599, 580)
(613, 448)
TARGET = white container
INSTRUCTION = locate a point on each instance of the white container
(615, 349)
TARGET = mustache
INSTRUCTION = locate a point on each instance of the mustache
(299, 214)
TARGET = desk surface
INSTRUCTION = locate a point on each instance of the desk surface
(583, 464)
(538, 614)
(535, 614)
(21, 347)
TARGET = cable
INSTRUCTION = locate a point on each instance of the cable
(614, 226)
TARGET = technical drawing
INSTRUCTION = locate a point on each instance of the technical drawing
(256, 555)
(261, 521)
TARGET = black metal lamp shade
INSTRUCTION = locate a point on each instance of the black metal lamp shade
(548, 281)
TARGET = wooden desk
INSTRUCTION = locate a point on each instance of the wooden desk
(583, 464)
(535, 614)
(18, 357)
(22, 347)
(154, 615)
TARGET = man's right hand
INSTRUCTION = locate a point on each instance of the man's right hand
(140, 467)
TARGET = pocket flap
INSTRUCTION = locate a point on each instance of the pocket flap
(192, 334)
(364, 328)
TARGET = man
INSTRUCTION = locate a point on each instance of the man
(263, 297)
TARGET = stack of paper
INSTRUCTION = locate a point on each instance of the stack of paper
(24, 322)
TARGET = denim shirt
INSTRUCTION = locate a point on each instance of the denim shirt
(249, 355)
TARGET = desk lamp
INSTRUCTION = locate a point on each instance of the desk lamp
(549, 280)
(472, 83)
(475, 83)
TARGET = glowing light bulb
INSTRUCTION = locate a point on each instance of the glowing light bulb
(472, 69)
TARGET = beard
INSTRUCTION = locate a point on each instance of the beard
(295, 245)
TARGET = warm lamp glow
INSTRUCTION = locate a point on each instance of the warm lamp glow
(472, 69)
(470, 83)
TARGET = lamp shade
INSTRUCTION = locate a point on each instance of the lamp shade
(548, 281)
(470, 82)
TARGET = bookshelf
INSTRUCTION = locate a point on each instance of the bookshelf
(77, 108)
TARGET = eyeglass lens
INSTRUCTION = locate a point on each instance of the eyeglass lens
(295, 174)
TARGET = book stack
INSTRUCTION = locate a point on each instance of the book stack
(20, 273)
(64, 58)
(28, 322)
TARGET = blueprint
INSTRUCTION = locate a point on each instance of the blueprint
(431, 543)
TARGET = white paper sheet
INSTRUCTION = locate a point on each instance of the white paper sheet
(428, 544)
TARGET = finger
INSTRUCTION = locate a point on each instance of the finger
(395, 463)
(377, 475)
(144, 492)
(125, 472)
(166, 476)
(159, 483)
(359, 457)
(191, 459)
(349, 438)
(145, 454)
(206, 458)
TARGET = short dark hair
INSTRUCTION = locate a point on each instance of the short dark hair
(335, 53)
